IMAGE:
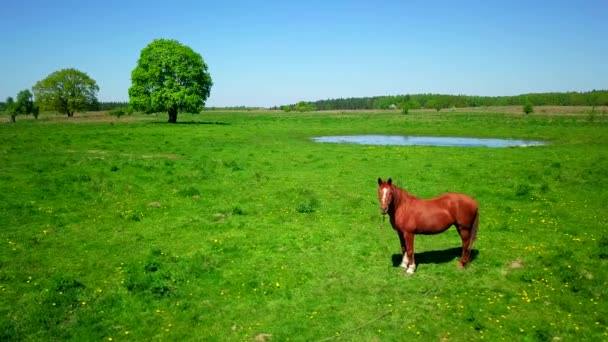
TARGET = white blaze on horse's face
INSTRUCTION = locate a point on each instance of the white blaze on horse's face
(385, 195)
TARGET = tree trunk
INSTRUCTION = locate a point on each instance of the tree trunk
(173, 114)
(13, 118)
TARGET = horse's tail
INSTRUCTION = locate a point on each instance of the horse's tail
(474, 227)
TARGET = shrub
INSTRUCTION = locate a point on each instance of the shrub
(528, 108)
(522, 189)
(303, 106)
(591, 114)
(120, 111)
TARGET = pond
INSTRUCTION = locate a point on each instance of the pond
(404, 140)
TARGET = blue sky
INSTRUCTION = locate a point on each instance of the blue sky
(267, 53)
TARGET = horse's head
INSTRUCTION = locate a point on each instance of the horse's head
(385, 194)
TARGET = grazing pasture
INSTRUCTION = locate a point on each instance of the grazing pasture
(237, 227)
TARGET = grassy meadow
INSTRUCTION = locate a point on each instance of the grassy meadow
(236, 227)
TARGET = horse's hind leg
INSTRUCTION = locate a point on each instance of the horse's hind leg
(465, 235)
(468, 235)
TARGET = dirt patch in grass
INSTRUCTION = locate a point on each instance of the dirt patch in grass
(516, 264)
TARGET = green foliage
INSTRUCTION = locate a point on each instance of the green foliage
(117, 112)
(307, 202)
(112, 105)
(592, 98)
(121, 111)
(592, 114)
(301, 107)
(413, 104)
(10, 108)
(431, 104)
(25, 104)
(438, 106)
(528, 108)
(169, 77)
(304, 106)
(408, 104)
(66, 91)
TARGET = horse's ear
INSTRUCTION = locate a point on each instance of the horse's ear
(390, 181)
(379, 181)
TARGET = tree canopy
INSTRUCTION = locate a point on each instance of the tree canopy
(169, 77)
(66, 91)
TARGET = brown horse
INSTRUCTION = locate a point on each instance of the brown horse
(410, 215)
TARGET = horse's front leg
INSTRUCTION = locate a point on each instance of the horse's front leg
(409, 243)
(404, 260)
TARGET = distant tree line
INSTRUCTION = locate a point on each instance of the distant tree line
(237, 108)
(95, 106)
(440, 101)
(301, 106)
(111, 105)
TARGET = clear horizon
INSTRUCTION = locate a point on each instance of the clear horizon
(271, 53)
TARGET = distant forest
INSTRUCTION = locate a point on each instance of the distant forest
(439, 101)
(422, 101)
(111, 105)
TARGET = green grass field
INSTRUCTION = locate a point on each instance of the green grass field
(236, 227)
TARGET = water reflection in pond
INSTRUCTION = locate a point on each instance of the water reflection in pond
(401, 140)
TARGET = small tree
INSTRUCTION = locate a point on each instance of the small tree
(438, 106)
(120, 111)
(169, 77)
(405, 107)
(9, 108)
(431, 104)
(66, 91)
(528, 108)
(413, 104)
(25, 104)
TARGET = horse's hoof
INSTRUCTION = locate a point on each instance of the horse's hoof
(410, 270)
(461, 265)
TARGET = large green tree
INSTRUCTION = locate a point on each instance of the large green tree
(169, 77)
(66, 91)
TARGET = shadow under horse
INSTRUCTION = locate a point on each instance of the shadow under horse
(435, 257)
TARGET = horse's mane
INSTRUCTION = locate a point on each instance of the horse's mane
(402, 191)
(400, 195)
